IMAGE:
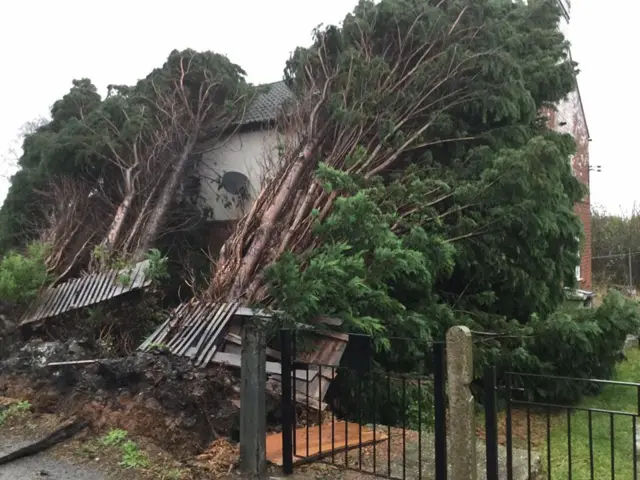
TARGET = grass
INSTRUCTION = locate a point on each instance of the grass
(14, 409)
(132, 456)
(605, 446)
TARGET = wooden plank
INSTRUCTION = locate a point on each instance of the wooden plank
(76, 293)
(98, 279)
(191, 326)
(210, 349)
(88, 283)
(215, 311)
(68, 296)
(253, 312)
(200, 349)
(141, 279)
(233, 359)
(186, 324)
(152, 338)
(60, 293)
(103, 293)
(321, 441)
(42, 307)
(334, 322)
(237, 340)
(72, 362)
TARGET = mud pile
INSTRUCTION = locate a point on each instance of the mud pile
(161, 397)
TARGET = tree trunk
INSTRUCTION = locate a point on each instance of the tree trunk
(262, 237)
(166, 198)
(118, 220)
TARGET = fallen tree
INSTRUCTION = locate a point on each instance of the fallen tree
(425, 188)
(100, 181)
(426, 116)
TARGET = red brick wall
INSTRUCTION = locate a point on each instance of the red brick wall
(569, 118)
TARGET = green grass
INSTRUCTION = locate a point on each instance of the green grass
(13, 409)
(132, 456)
(618, 398)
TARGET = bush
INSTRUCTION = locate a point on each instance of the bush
(583, 343)
(22, 275)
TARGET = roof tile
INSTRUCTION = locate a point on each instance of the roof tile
(267, 104)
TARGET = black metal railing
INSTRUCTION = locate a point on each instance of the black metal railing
(377, 422)
(576, 454)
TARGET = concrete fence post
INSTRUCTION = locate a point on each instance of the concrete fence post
(461, 418)
(253, 418)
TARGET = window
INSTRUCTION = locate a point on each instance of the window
(578, 275)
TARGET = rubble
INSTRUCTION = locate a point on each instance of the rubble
(164, 398)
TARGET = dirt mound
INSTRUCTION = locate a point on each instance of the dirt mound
(164, 398)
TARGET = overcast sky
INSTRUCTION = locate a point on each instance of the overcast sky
(45, 44)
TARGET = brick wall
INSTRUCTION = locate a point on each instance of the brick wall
(570, 118)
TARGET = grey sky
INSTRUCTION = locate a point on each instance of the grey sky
(46, 44)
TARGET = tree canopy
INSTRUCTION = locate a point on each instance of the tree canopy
(431, 188)
(615, 242)
(104, 172)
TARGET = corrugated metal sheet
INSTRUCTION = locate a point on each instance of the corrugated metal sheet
(193, 330)
(211, 332)
(84, 291)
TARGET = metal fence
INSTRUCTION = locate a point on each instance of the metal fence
(379, 422)
(571, 442)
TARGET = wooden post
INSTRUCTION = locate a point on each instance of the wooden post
(253, 418)
(461, 428)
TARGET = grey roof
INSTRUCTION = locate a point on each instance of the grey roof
(266, 106)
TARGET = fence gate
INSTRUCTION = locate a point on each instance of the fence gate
(551, 441)
(377, 422)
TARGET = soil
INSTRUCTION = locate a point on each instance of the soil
(167, 399)
(171, 409)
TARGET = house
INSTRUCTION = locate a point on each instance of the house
(569, 117)
(232, 172)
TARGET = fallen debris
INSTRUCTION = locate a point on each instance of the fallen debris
(219, 458)
(84, 291)
(57, 436)
(323, 440)
(209, 332)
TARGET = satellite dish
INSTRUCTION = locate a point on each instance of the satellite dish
(235, 183)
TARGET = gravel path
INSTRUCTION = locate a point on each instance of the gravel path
(41, 466)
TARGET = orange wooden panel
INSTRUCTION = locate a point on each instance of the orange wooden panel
(322, 444)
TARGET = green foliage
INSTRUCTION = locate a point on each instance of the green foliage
(158, 270)
(384, 398)
(107, 259)
(14, 409)
(479, 230)
(582, 342)
(124, 278)
(158, 347)
(121, 147)
(613, 238)
(132, 456)
(115, 437)
(23, 275)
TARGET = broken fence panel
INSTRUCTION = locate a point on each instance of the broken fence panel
(85, 291)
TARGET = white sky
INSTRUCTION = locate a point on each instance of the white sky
(45, 44)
